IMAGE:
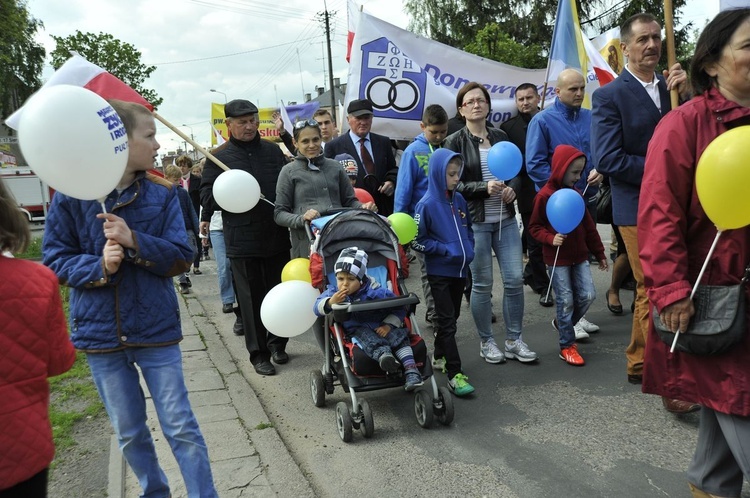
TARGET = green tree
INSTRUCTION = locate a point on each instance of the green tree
(119, 58)
(529, 23)
(21, 58)
(492, 43)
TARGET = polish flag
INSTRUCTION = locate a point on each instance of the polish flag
(219, 139)
(78, 71)
(601, 68)
(352, 10)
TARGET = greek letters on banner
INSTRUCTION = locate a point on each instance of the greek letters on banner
(402, 73)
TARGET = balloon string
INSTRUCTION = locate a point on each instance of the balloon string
(104, 207)
(500, 232)
(695, 287)
(584, 190)
(552, 273)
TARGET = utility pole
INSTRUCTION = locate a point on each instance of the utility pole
(302, 83)
(326, 18)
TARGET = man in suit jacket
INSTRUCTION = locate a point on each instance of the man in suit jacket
(625, 113)
(373, 153)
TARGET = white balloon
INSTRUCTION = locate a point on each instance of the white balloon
(287, 309)
(236, 191)
(74, 140)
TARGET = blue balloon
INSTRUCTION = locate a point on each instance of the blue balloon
(565, 210)
(504, 160)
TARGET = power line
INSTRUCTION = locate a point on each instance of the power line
(236, 53)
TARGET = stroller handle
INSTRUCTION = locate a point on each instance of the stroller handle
(340, 310)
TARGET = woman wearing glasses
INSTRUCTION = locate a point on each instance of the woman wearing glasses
(309, 185)
(495, 228)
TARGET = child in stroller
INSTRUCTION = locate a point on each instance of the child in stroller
(379, 333)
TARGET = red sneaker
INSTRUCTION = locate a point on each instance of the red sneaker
(571, 356)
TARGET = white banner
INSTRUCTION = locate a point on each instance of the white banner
(402, 73)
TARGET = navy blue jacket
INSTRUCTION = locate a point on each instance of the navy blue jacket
(623, 120)
(137, 306)
(444, 232)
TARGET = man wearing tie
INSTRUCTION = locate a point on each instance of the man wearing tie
(373, 153)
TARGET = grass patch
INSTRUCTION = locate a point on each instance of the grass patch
(34, 251)
(263, 425)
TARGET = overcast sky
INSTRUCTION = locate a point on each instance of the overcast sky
(261, 51)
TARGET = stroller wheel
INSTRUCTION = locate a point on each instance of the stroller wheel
(423, 408)
(344, 421)
(444, 406)
(317, 388)
(366, 426)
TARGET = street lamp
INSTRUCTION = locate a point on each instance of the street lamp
(191, 138)
(224, 94)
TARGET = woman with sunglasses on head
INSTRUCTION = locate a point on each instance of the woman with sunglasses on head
(495, 228)
(310, 185)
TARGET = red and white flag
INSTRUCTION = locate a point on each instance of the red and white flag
(601, 68)
(77, 71)
(219, 139)
(352, 9)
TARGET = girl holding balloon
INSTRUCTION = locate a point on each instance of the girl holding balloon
(567, 231)
(309, 185)
(494, 224)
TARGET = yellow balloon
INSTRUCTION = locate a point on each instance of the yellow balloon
(722, 178)
(296, 269)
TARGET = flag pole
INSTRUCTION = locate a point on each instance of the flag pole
(671, 52)
(198, 147)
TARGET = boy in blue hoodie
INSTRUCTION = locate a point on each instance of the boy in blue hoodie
(445, 237)
(571, 275)
(379, 333)
(411, 184)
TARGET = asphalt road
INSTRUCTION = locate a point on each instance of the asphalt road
(544, 429)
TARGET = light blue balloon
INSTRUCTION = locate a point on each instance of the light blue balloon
(565, 210)
(504, 160)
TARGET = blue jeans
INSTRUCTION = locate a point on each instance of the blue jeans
(226, 289)
(508, 250)
(375, 346)
(574, 293)
(117, 381)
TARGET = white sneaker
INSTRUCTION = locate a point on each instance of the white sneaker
(580, 333)
(490, 352)
(518, 350)
(588, 326)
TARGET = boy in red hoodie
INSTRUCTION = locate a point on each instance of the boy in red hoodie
(571, 280)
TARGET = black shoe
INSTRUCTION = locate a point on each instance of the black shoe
(264, 367)
(280, 357)
(197, 271)
(546, 300)
(615, 309)
(635, 378)
(494, 317)
(188, 282)
(184, 289)
(238, 329)
(227, 308)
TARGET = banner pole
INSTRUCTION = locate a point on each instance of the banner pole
(671, 51)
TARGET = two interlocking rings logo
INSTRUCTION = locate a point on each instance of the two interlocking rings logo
(401, 95)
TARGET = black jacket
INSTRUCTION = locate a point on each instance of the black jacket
(472, 186)
(516, 127)
(252, 233)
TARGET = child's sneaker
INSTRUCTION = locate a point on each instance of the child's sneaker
(388, 363)
(413, 379)
(438, 363)
(571, 356)
(460, 386)
(490, 352)
(588, 326)
(581, 334)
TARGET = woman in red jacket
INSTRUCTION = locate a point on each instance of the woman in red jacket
(34, 345)
(675, 235)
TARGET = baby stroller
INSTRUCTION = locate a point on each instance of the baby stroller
(345, 363)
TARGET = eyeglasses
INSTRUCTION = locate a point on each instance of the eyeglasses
(305, 123)
(472, 103)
